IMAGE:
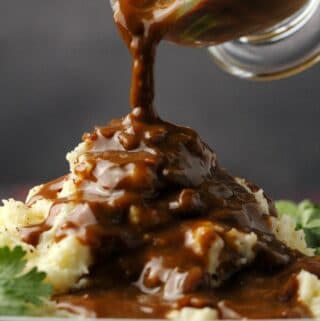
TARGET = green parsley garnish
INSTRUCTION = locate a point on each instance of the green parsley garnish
(307, 217)
(21, 293)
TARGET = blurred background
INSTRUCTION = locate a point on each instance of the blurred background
(63, 69)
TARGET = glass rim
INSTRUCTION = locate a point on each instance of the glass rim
(285, 50)
(285, 28)
(238, 71)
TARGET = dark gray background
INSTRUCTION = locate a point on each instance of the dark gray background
(63, 69)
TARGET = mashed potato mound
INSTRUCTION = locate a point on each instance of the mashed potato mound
(67, 261)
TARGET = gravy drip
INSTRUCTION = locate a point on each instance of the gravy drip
(150, 200)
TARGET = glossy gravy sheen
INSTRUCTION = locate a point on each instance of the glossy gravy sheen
(147, 191)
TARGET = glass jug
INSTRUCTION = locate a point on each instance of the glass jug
(254, 39)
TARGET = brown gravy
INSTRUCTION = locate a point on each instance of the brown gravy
(252, 293)
(146, 189)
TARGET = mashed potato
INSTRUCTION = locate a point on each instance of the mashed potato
(64, 262)
(285, 230)
(205, 240)
(284, 227)
(67, 261)
(193, 314)
(309, 292)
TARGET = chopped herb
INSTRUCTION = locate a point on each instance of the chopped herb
(21, 292)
